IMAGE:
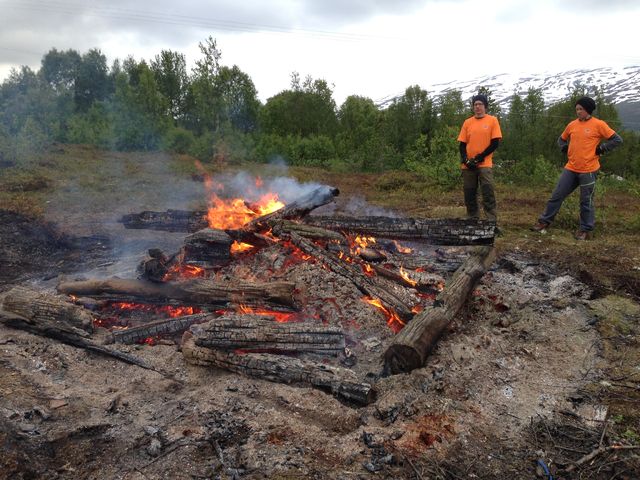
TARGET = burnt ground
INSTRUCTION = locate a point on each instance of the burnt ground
(513, 389)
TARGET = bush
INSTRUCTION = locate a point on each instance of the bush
(529, 171)
(438, 160)
(179, 140)
(93, 127)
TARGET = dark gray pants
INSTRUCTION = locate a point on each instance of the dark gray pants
(567, 183)
(482, 178)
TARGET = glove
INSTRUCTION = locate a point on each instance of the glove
(471, 163)
(478, 159)
(599, 150)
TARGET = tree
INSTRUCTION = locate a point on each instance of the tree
(358, 141)
(60, 69)
(92, 82)
(238, 98)
(407, 118)
(450, 109)
(170, 71)
(303, 110)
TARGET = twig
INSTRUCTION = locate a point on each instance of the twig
(597, 452)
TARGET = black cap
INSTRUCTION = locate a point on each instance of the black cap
(588, 103)
(480, 98)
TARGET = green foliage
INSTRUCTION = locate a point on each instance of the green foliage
(302, 111)
(536, 171)
(31, 142)
(438, 160)
(179, 140)
(93, 127)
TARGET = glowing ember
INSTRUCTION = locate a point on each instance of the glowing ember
(393, 320)
(184, 271)
(240, 247)
(168, 310)
(279, 317)
(363, 242)
(401, 249)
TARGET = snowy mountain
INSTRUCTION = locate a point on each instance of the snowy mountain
(619, 85)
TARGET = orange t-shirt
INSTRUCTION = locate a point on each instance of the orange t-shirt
(477, 133)
(584, 137)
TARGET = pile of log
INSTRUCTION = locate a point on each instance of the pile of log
(256, 345)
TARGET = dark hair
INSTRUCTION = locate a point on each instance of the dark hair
(480, 98)
(588, 103)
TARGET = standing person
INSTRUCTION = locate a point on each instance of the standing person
(479, 136)
(580, 140)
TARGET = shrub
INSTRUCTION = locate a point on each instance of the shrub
(179, 140)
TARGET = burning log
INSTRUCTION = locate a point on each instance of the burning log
(421, 281)
(354, 274)
(169, 221)
(169, 326)
(410, 348)
(254, 332)
(194, 291)
(445, 231)
(296, 209)
(35, 305)
(282, 369)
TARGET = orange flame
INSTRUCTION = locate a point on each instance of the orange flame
(234, 212)
(393, 320)
(240, 247)
(279, 317)
(368, 270)
(401, 249)
(405, 275)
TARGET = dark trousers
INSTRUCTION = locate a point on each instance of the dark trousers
(479, 179)
(567, 183)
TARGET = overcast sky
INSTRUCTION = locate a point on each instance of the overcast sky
(373, 48)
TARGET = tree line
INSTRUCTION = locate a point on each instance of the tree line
(213, 112)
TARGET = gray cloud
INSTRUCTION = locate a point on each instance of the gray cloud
(30, 28)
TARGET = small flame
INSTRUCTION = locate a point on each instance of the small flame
(393, 320)
(405, 275)
(368, 270)
(279, 317)
(240, 247)
(364, 242)
(401, 249)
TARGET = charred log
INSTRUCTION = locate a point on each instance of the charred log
(196, 291)
(209, 246)
(354, 274)
(410, 348)
(253, 332)
(282, 369)
(169, 326)
(283, 227)
(169, 221)
(36, 305)
(445, 231)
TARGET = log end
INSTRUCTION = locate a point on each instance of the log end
(402, 359)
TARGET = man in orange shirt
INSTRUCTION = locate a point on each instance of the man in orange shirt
(581, 141)
(479, 137)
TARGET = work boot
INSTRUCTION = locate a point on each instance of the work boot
(582, 235)
(540, 227)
